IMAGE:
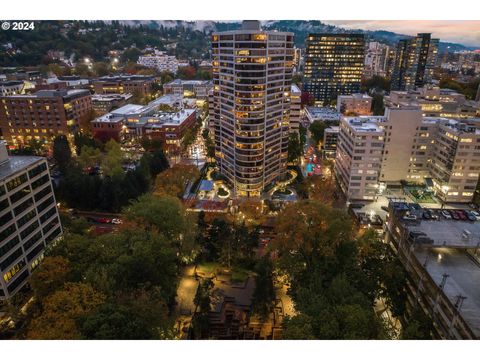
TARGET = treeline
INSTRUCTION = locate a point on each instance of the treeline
(95, 39)
(96, 178)
(115, 286)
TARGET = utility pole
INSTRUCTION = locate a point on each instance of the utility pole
(458, 306)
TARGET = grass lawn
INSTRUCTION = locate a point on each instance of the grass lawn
(239, 275)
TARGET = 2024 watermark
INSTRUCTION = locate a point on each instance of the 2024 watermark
(18, 25)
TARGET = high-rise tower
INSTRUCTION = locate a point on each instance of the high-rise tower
(252, 72)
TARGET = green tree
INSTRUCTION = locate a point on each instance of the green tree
(295, 149)
(89, 157)
(61, 152)
(378, 107)
(50, 276)
(317, 129)
(112, 161)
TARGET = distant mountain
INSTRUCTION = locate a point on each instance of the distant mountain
(301, 28)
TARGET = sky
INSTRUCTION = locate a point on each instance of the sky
(466, 32)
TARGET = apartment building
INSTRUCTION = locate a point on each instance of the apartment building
(435, 102)
(189, 88)
(379, 59)
(333, 65)
(252, 72)
(359, 156)
(43, 115)
(412, 148)
(295, 109)
(415, 60)
(12, 87)
(354, 104)
(160, 61)
(29, 219)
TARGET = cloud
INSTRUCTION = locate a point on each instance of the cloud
(465, 32)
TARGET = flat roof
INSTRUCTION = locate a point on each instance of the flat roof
(128, 109)
(464, 279)
(448, 233)
(16, 164)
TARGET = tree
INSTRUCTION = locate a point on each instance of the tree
(50, 276)
(89, 157)
(166, 215)
(174, 180)
(210, 144)
(298, 328)
(157, 162)
(378, 108)
(263, 298)
(320, 189)
(37, 147)
(81, 139)
(61, 152)
(302, 131)
(306, 99)
(62, 310)
(112, 321)
(295, 149)
(317, 129)
(252, 209)
(419, 326)
(375, 84)
(112, 161)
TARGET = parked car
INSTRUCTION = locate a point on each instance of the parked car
(432, 213)
(476, 214)
(454, 215)
(117, 221)
(426, 215)
(461, 214)
(446, 214)
(470, 216)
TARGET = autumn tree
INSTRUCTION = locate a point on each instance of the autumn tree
(320, 189)
(62, 310)
(50, 276)
(174, 180)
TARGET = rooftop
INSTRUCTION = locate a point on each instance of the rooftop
(448, 233)
(464, 279)
(16, 164)
(365, 123)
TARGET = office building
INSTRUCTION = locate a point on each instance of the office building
(123, 84)
(414, 62)
(441, 259)
(252, 71)
(43, 115)
(435, 102)
(189, 88)
(318, 113)
(29, 220)
(136, 122)
(104, 103)
(330, 139)
(355, 104)
(403, 145)
(333, 66)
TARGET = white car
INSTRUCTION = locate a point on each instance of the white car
(117, 221)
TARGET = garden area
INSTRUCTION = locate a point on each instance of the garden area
(420, 194)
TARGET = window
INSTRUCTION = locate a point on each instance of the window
(19, 180)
